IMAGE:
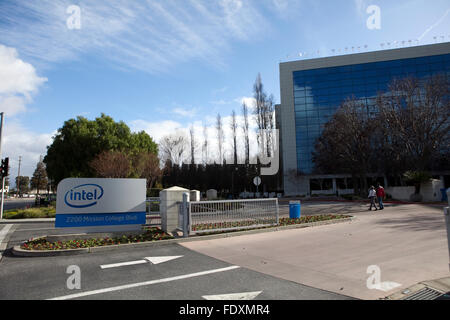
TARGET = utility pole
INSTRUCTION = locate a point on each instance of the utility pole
(18, 178)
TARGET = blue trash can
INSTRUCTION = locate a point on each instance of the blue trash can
(294, 209)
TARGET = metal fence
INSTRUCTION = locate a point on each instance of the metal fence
(214, 216)
(153, 210)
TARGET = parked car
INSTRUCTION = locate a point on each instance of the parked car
(45, 200)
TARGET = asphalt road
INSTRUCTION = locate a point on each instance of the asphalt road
(191, 276)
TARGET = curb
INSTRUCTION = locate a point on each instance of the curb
(17, 251)
(20, 221)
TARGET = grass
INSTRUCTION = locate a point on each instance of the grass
(150, 234)
(31, 213)
(309, 219)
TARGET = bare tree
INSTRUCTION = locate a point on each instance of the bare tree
(173, 148)
(234, 127)
(415, 115)
(346, 143)
(220, 137)
(205, 153)
(245, 129)
(193, 144)
(146, 166)
(264, 116)
(111, 164)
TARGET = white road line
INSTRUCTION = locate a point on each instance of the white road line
(158, 260)
(234, 296)
(141, 284)
(121, 264)
(4, 232)
(3, 235)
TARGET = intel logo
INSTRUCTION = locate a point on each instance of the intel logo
(83, 196)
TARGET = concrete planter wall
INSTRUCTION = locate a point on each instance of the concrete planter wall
(430, 191)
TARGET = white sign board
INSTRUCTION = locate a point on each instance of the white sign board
(85, 202)
(257, 181)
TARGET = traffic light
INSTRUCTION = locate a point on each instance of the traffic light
(5, 167)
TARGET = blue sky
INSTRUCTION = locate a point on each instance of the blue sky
(164, 65)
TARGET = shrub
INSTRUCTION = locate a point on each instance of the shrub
(42, 212)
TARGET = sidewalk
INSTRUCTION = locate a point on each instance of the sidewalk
(285, 201)
(407, 242)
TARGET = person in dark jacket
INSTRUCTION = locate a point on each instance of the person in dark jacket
(381, 195)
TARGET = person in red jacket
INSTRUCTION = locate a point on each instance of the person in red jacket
(380, 196)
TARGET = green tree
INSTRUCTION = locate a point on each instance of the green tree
(80, 140)
(39, 179)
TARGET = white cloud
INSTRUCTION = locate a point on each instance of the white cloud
(437, 23)
(159, 129)
(185, 112)
(12, 105)
(249, 101)
(150, 36)
(156, 130)
(19, 141)
(220, 102)
(286, 9)
(220, 90)
(20, 82)
(361, 7)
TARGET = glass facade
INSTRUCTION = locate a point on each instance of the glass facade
(318, 93)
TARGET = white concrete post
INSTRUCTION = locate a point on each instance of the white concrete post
(211, 194)
(334, 186)
(170, 208)
(194, 195)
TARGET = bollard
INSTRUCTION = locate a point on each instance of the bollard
(186, 215)
(170, 209)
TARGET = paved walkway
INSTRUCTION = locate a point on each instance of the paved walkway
(407, 242)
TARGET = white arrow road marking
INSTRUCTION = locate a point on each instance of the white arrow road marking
(157, 260)
(141, 284)
(234, 296)
(152, 260)
(121, 264)
(387, 286)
